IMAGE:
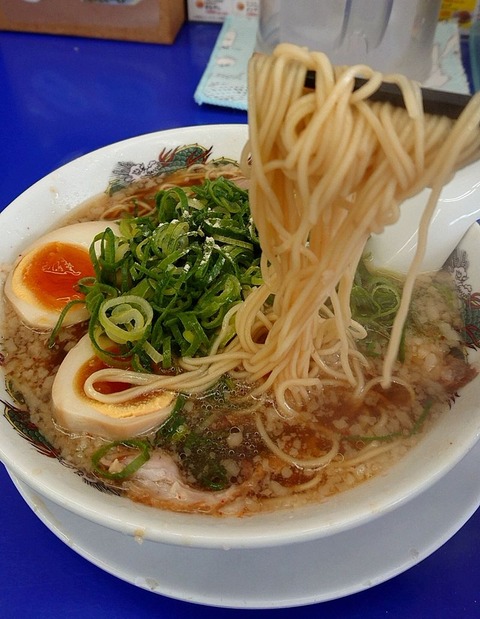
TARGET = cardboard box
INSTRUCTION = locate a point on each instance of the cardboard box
(218, 10)
(153, 21)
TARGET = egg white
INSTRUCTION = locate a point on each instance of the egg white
(76, 412)
(22, 298)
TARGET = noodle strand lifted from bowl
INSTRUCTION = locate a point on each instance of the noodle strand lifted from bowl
(239, 354)
(328, 168)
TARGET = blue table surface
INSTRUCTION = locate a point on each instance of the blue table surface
(61, 97)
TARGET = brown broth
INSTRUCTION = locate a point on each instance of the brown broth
(372, 432)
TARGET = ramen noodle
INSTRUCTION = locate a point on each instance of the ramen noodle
(238, 353)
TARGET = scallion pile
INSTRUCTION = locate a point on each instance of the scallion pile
(161, 290)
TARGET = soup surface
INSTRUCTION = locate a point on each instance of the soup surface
(224, 449)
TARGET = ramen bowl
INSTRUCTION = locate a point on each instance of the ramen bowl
(136, 542)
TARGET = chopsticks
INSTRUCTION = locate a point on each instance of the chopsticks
(438, 102)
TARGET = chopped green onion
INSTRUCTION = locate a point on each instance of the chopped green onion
(126, 318)
(132, 467)
(374, 303)
(162, 288)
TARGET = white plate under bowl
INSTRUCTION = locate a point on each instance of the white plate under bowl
(444, 446)
(355, 560)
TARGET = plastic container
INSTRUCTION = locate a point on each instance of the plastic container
(392, 36)
(474, 48)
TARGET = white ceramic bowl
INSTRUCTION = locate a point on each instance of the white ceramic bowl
(47, 479)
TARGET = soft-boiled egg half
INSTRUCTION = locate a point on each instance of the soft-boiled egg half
(114, 416)
(44, 278)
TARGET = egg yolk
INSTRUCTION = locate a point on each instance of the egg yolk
(53, 273)
(107, 387)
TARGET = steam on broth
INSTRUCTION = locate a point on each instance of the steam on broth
(240, 355)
